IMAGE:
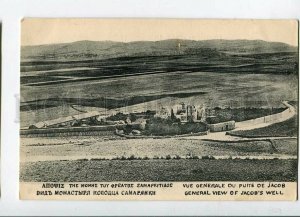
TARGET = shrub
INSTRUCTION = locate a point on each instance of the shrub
(123, 158)
(208, 157)
(117, 117)
(132, 157)
(176, 157)
(84, 159)
(97, 159)
(168, 157)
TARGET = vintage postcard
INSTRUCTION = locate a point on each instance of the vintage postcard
(159, 109)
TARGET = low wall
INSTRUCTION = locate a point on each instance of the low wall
(237, 141)
(162, 137)
(223, 126)
(233, 133)
(252, 139)
(68, 131)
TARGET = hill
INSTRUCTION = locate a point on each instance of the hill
(98, 50)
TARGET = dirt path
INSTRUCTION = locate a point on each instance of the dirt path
(267, 120)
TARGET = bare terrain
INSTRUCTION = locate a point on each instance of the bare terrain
(68, 148)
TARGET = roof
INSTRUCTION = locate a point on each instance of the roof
(66, 119)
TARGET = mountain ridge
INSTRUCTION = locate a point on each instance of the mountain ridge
(98, 50)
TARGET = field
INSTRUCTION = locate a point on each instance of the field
(109, 146)
(242, 114)
(149, 82)
(159, 170)
(212, 89)
(281, 63)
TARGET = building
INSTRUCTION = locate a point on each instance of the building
(223, 126)
(192, 113)
(202, 114)
(189, 113)
(181, 113)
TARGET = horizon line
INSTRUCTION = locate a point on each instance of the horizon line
(127, 42)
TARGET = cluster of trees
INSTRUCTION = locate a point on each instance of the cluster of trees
(120, 116)
(164, 127)
(159, 126)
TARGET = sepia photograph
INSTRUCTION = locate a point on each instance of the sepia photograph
(161, 101)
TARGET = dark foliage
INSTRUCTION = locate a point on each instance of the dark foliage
(164, 127)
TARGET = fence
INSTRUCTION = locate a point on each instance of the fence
(162, 137)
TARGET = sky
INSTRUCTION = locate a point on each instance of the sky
(38, 31)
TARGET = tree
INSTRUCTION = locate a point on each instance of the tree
(172, 115)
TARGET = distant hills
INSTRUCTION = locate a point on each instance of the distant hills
(82, 50)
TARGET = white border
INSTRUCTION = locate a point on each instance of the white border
(12, 11)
